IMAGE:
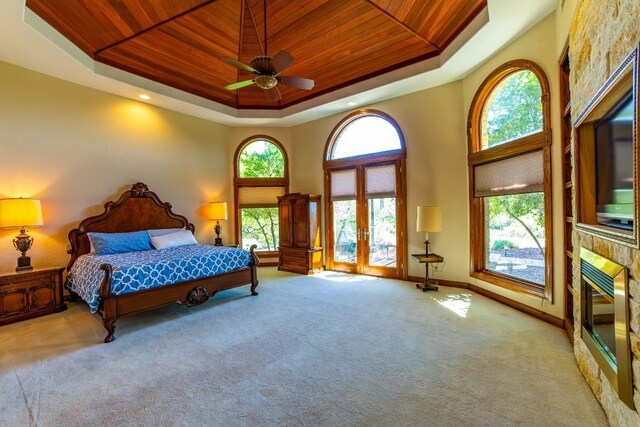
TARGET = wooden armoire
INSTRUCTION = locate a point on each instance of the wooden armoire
(300, 247)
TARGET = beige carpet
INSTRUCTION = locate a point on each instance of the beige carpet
(330, 350)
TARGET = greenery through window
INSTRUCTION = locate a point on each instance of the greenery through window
(261, 159)
(516, 242)
(261, 177)
(513, 110)
(260, 227)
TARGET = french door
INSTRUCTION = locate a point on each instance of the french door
(364, 232)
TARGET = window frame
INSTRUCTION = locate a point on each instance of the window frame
(256, 182)
(477, 156)
(396, 157)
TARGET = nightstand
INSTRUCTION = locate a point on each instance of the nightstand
(29, 294)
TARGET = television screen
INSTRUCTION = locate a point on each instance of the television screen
(614, 165)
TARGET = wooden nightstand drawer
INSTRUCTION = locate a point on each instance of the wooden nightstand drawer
(30, 294)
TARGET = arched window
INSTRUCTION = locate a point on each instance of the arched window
(261, 175)
(365, 134)
(365, 186)
(510, 167)
(261, 158)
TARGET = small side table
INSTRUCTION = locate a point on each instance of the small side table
(29, 294)
(426, 260)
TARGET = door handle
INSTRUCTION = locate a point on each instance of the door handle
(358, 234)
(366, 235)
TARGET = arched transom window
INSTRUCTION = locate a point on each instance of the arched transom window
(513, 109)
(363, 134)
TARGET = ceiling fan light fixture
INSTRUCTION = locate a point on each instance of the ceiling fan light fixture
(266, 82)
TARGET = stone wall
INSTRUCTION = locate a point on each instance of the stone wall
(603, 33)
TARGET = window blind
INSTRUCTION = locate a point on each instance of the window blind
(516, 175)
(380, 182)
(343, 185)
(249, 196)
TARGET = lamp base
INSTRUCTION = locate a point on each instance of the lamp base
(24, 263)
(218, 241)
(426, 287)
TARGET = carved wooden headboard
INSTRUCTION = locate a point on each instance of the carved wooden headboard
(136, 209)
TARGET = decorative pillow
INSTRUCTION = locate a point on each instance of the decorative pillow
(162, 231)
(172, 240)
(116, 243)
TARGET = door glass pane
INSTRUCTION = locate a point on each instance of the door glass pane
(516, 243)
(260, 227)
(344, 229)
(382, 232)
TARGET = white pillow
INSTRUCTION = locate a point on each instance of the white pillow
(172, 240)
(163, 231)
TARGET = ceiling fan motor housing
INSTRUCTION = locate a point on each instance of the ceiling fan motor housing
(262, 63)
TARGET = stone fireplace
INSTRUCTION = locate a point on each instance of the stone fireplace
(603, 33)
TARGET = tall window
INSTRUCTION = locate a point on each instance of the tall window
(365, 209)
(260, 177)
(510, 167)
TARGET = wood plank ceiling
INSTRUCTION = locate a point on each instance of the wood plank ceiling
(336, 43)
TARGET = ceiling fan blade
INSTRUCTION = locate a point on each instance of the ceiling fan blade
(238, 64)
(281, 61)
(297, 82)
(273, 94)
(238, 85)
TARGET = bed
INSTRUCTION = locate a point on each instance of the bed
(197, 271)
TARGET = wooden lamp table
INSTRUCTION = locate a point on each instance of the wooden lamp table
(426, 260)
(29, 294)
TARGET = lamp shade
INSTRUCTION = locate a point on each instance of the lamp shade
(429, 219)
(218, 210)
(18, 213)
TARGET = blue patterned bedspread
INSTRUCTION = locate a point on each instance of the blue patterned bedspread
(134, 271)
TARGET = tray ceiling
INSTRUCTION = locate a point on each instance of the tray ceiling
(336, 43)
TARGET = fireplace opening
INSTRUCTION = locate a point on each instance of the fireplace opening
(605, 321)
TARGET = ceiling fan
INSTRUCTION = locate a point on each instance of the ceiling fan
(267, 70)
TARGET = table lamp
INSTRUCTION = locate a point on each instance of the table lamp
(429, 221)
(21, 213)
(217, 212)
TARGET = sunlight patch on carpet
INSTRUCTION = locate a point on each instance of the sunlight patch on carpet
(457, 303)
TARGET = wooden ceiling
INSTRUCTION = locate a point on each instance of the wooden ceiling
(336, 43)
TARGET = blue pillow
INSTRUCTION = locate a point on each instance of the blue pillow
(116, 243)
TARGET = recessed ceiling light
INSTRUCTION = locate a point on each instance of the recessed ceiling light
(351, 103)
(144, 96)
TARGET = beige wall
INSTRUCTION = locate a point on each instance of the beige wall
(536, 45)
(77, 148)
(564, 17)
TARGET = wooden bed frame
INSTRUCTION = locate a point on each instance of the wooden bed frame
(140, 209)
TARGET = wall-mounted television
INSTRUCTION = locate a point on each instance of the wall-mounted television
(614, 166)
(606, 158)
